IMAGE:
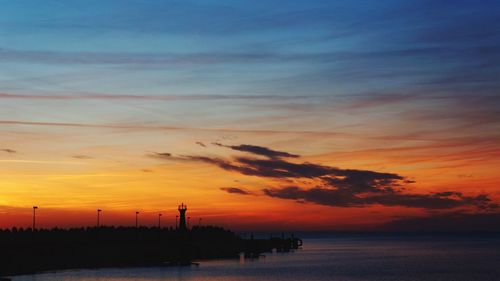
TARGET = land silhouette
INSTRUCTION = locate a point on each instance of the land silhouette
(27, 251)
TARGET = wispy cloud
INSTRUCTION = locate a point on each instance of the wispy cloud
(156, 59)
(259, 150)
(139, 126)
(201, 144)
(92, 96)
(8, 150)
(37, 162)
(82, 157)
(236, 190)
(161, 155)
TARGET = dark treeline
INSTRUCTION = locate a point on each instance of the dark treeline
(25, 251)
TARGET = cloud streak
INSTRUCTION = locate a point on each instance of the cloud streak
(8, 150)
(346, 198)
(82, 157)
(206, 58)
(139, 126)
(92, 96)
(236, 190)
(259, 150)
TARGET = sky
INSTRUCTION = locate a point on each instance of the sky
(259, 115)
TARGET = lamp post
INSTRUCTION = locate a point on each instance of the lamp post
(99, 217)
(34, 217)
(159, 220)
(189, 219)
(176, 218)
(136, 219)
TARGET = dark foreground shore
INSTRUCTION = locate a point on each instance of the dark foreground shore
(27, 252)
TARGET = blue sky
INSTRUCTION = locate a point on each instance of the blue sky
(248, 48)
(125, 61)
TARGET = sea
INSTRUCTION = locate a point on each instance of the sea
(331, 257)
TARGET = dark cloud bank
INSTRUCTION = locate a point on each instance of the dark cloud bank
(333, 186)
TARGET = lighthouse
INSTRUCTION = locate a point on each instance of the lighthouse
(182, 216)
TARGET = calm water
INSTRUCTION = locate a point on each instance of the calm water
(341, 259)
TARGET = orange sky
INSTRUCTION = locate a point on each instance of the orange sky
(69, 172)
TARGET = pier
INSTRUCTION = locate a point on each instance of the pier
(27, 251)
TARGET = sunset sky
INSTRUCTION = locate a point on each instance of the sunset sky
(259, 115)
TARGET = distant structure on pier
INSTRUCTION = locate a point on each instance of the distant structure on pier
(182, 216)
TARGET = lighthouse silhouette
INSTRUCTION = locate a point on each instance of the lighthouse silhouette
(182, 216)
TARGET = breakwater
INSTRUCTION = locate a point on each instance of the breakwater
(27, 251)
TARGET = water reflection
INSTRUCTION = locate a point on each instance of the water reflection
(242, 258)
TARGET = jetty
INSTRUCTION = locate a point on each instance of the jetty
(28, 251)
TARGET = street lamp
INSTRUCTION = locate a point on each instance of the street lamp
(159, 220)
(136, 219)
(176, 218)
(34, 216)
(189, 218)
(98, 217)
